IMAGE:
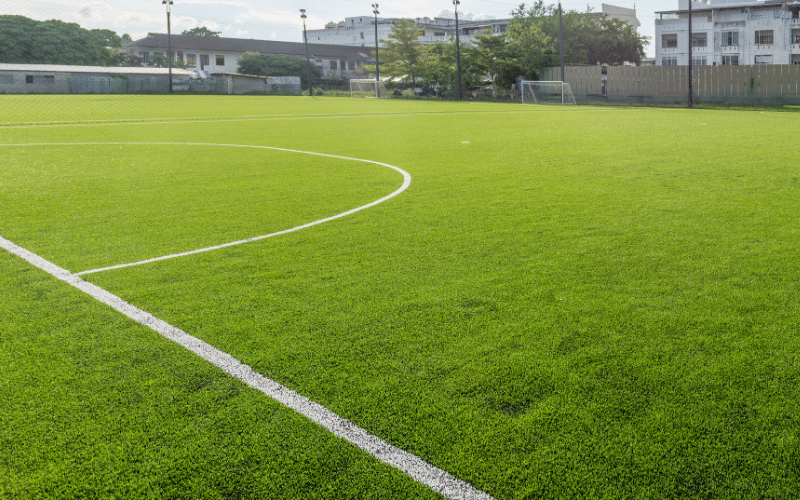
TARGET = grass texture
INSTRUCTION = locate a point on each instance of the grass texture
(566, 303)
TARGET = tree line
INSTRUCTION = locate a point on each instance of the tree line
(27, 41)
(530, 43)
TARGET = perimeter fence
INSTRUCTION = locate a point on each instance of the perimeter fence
(768, 85)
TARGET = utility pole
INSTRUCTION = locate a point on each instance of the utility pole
(169, 42)
(377, 63)
(458, 52)
(308, 60)
(690, 103)
(561, 41)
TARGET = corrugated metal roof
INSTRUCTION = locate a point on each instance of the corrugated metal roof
(119, 70)
(158, 41)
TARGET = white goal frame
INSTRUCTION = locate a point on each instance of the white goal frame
(546, 92)
(368, 88)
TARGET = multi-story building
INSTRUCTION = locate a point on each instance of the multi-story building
(729, 32)
(360, 31)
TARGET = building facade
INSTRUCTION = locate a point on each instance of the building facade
(729, 32)
(217, 55)
(360, 31)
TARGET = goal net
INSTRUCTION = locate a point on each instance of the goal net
(536, 92)
(368, 88)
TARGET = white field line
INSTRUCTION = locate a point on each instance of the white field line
(413, 466)
(406, 183)
(173, 121)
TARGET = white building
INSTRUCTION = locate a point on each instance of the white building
(360, 31)
(729, 32)
(217, 55)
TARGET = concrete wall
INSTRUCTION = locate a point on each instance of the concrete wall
(34, 82)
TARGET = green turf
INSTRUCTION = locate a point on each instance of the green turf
(566, 303)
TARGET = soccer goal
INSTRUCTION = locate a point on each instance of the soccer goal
(368, 88)
(536, 92)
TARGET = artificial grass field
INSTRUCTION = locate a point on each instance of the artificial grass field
(565, 303)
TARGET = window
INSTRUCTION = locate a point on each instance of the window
(220, 60)
(351, 65)
(145, 56)
(795, 36)
(179, 56)
(204, 60)
(669, 41)
(438, 33)
(28, 78)
(362, 35)
(669, 61)
(6, 79)
(191, 59)
(334, 64)
(764, 37)
(699, 61)
(732, 60)
(48, 80)
(699, 39)
(730, 38)
(762, 60)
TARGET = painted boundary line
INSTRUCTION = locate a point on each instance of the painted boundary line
(204, 119)
(406, 183)
(436, 479)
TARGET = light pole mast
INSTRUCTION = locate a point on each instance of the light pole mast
(690, 103)
(458, 52)
(561, 40)
(169, 42)
(308, 60)
(377, 63)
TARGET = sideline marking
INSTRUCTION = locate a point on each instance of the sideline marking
(419, 470)
(406, 183)
(205, 119)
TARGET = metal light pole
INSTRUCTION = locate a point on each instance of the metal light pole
(308, 60)
(169, 42)
(690, 103)
(458, 52)
(377, 63)
(561, 42)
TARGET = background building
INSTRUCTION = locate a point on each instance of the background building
(727, 32)
(215, 55)
(360, 31)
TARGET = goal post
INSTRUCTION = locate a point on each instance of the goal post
(368, 88)
(547, 92)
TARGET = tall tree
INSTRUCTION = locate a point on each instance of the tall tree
(107, 38)
(24, 40)
(400, 56)
(201, 31)
(588, 38)
(528, 43)
(492, 56)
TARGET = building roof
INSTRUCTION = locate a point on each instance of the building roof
(117, 70)
(211, 44)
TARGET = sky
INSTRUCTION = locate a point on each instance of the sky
(279, 19)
